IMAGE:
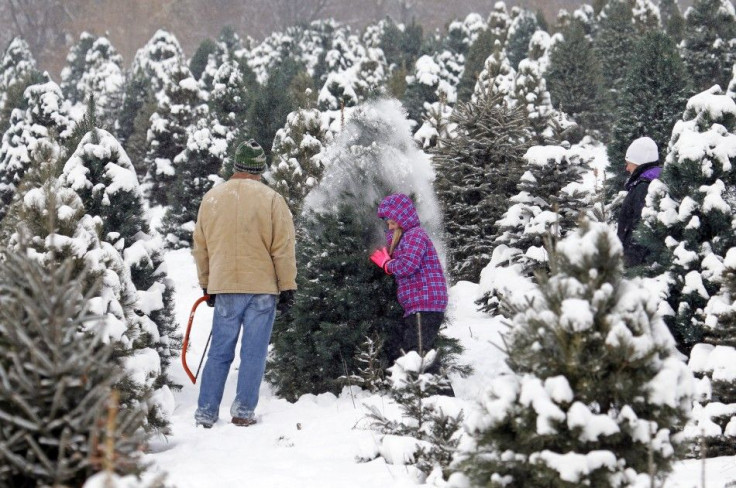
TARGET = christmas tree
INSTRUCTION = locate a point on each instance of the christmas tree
(167, 136)
(672, 19)
(574, 79)
(613, 45)
(52, 223)
(713, 427)
(198, 168)
(597, 391)
(522, 28)
(550, 201)
(497, 76)
(158, 60)
(429, 426)
(37, 130)
(422, 86)
(17, 71)
(342, 298)
(477, 172)
(297, 148)
(686, 223)
(530, 88)
(132, 126)
(709, 42)
(273, 101)
(100, 172)
(480, 49)
(71, 74)
(149, 75)
(58, 373)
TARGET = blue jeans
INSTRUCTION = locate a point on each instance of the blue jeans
(255, 314)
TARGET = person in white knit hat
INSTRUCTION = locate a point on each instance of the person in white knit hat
(642, 162)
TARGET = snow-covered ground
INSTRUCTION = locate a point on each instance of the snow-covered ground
(315, 441)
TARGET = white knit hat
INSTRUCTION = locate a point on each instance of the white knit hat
(643, 150)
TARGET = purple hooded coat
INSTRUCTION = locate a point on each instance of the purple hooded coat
(415, 264)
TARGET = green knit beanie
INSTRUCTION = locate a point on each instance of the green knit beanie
(250, 158)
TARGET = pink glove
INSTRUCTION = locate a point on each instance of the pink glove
(381, 258)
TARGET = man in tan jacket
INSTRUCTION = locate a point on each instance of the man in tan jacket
(244, 250)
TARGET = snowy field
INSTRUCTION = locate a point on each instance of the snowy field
(315, 441)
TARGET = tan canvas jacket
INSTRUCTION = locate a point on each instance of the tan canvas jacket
(244, 240)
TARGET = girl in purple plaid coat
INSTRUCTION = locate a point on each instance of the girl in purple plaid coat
(412, 259)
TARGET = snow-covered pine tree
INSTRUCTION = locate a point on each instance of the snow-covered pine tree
(497, 77)
(131, 129)
(597, 392)
(149, 74)
(496, 29)
(198, 168)
(522, 28)
(272, 102)
(477, 172)
(57, 376)
(38, 128)
(342, 297)
(480, 49)
(179, 108)
(350, 72)
(103, 79)
(53, 224)
(312, 42)
(71, 74)
(550, 201)
(652, 98)
(230, 108)
(709, 42)
(687, 220)
(264, 57)
(201, 56)
(428, 426)
(17, 71)
(585, 16)
(574, 79)
(437, 126)
(613, 46)
(713, 426)
(297, 166)
(401, 44)
(672, 20)
(213, 63)
(338, 91)
(100, 172)
(231, 41)
(422, 87)
(461, 34)
(158, 60)
(371, 73)
(646, 16)
(530, 89)
(229, 99)
(499, 21)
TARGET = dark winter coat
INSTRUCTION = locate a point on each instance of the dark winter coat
(415, 263)
(637, 186)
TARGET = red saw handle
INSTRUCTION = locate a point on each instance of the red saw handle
(186, 339)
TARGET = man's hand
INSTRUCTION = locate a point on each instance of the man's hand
(381, 258)
(211, 299)
(286, 301)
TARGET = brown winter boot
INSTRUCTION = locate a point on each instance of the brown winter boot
(243, 422)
